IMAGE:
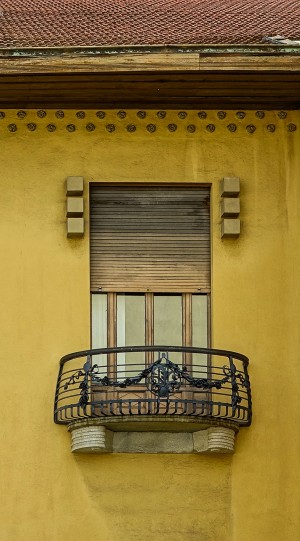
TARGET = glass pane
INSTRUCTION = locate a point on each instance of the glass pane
(199, 320)
(130, 332)
(168, 323)
(199, 332)
(99, 326)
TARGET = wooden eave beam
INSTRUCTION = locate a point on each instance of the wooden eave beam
(207, 77)
(206, 60)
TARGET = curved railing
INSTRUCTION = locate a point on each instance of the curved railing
(153, 380)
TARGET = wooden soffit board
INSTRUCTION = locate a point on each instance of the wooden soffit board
(149, 80)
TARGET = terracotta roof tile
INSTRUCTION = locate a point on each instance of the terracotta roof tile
(54, 23)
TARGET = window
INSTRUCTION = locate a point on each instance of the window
(150, 268)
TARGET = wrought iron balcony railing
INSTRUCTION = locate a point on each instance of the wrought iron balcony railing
(153, 380)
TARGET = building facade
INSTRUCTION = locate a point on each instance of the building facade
(75, 126)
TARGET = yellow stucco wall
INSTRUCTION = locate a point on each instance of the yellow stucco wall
(49, 494)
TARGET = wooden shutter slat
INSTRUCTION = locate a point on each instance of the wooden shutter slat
(150, 239)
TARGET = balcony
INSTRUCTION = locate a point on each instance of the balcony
(200, 397)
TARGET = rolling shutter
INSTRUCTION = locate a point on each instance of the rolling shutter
(150, 239)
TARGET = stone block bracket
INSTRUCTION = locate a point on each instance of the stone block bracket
(75, 209)
(90, 436)
(230, 207)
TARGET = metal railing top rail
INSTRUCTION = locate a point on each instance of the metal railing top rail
(141, 349)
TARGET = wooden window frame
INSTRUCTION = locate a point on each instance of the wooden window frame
(112, 339)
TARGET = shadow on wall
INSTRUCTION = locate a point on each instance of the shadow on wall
(151, 497)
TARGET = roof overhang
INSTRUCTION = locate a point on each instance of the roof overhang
(262, 76)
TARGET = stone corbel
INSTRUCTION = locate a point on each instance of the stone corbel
(88, 436)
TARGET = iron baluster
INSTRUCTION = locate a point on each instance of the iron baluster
(84, 385)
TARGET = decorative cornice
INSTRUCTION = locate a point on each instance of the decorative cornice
(152, 122)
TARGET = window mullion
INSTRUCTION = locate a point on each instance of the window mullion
(187, 331)
(112, 333)
(149, 325)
